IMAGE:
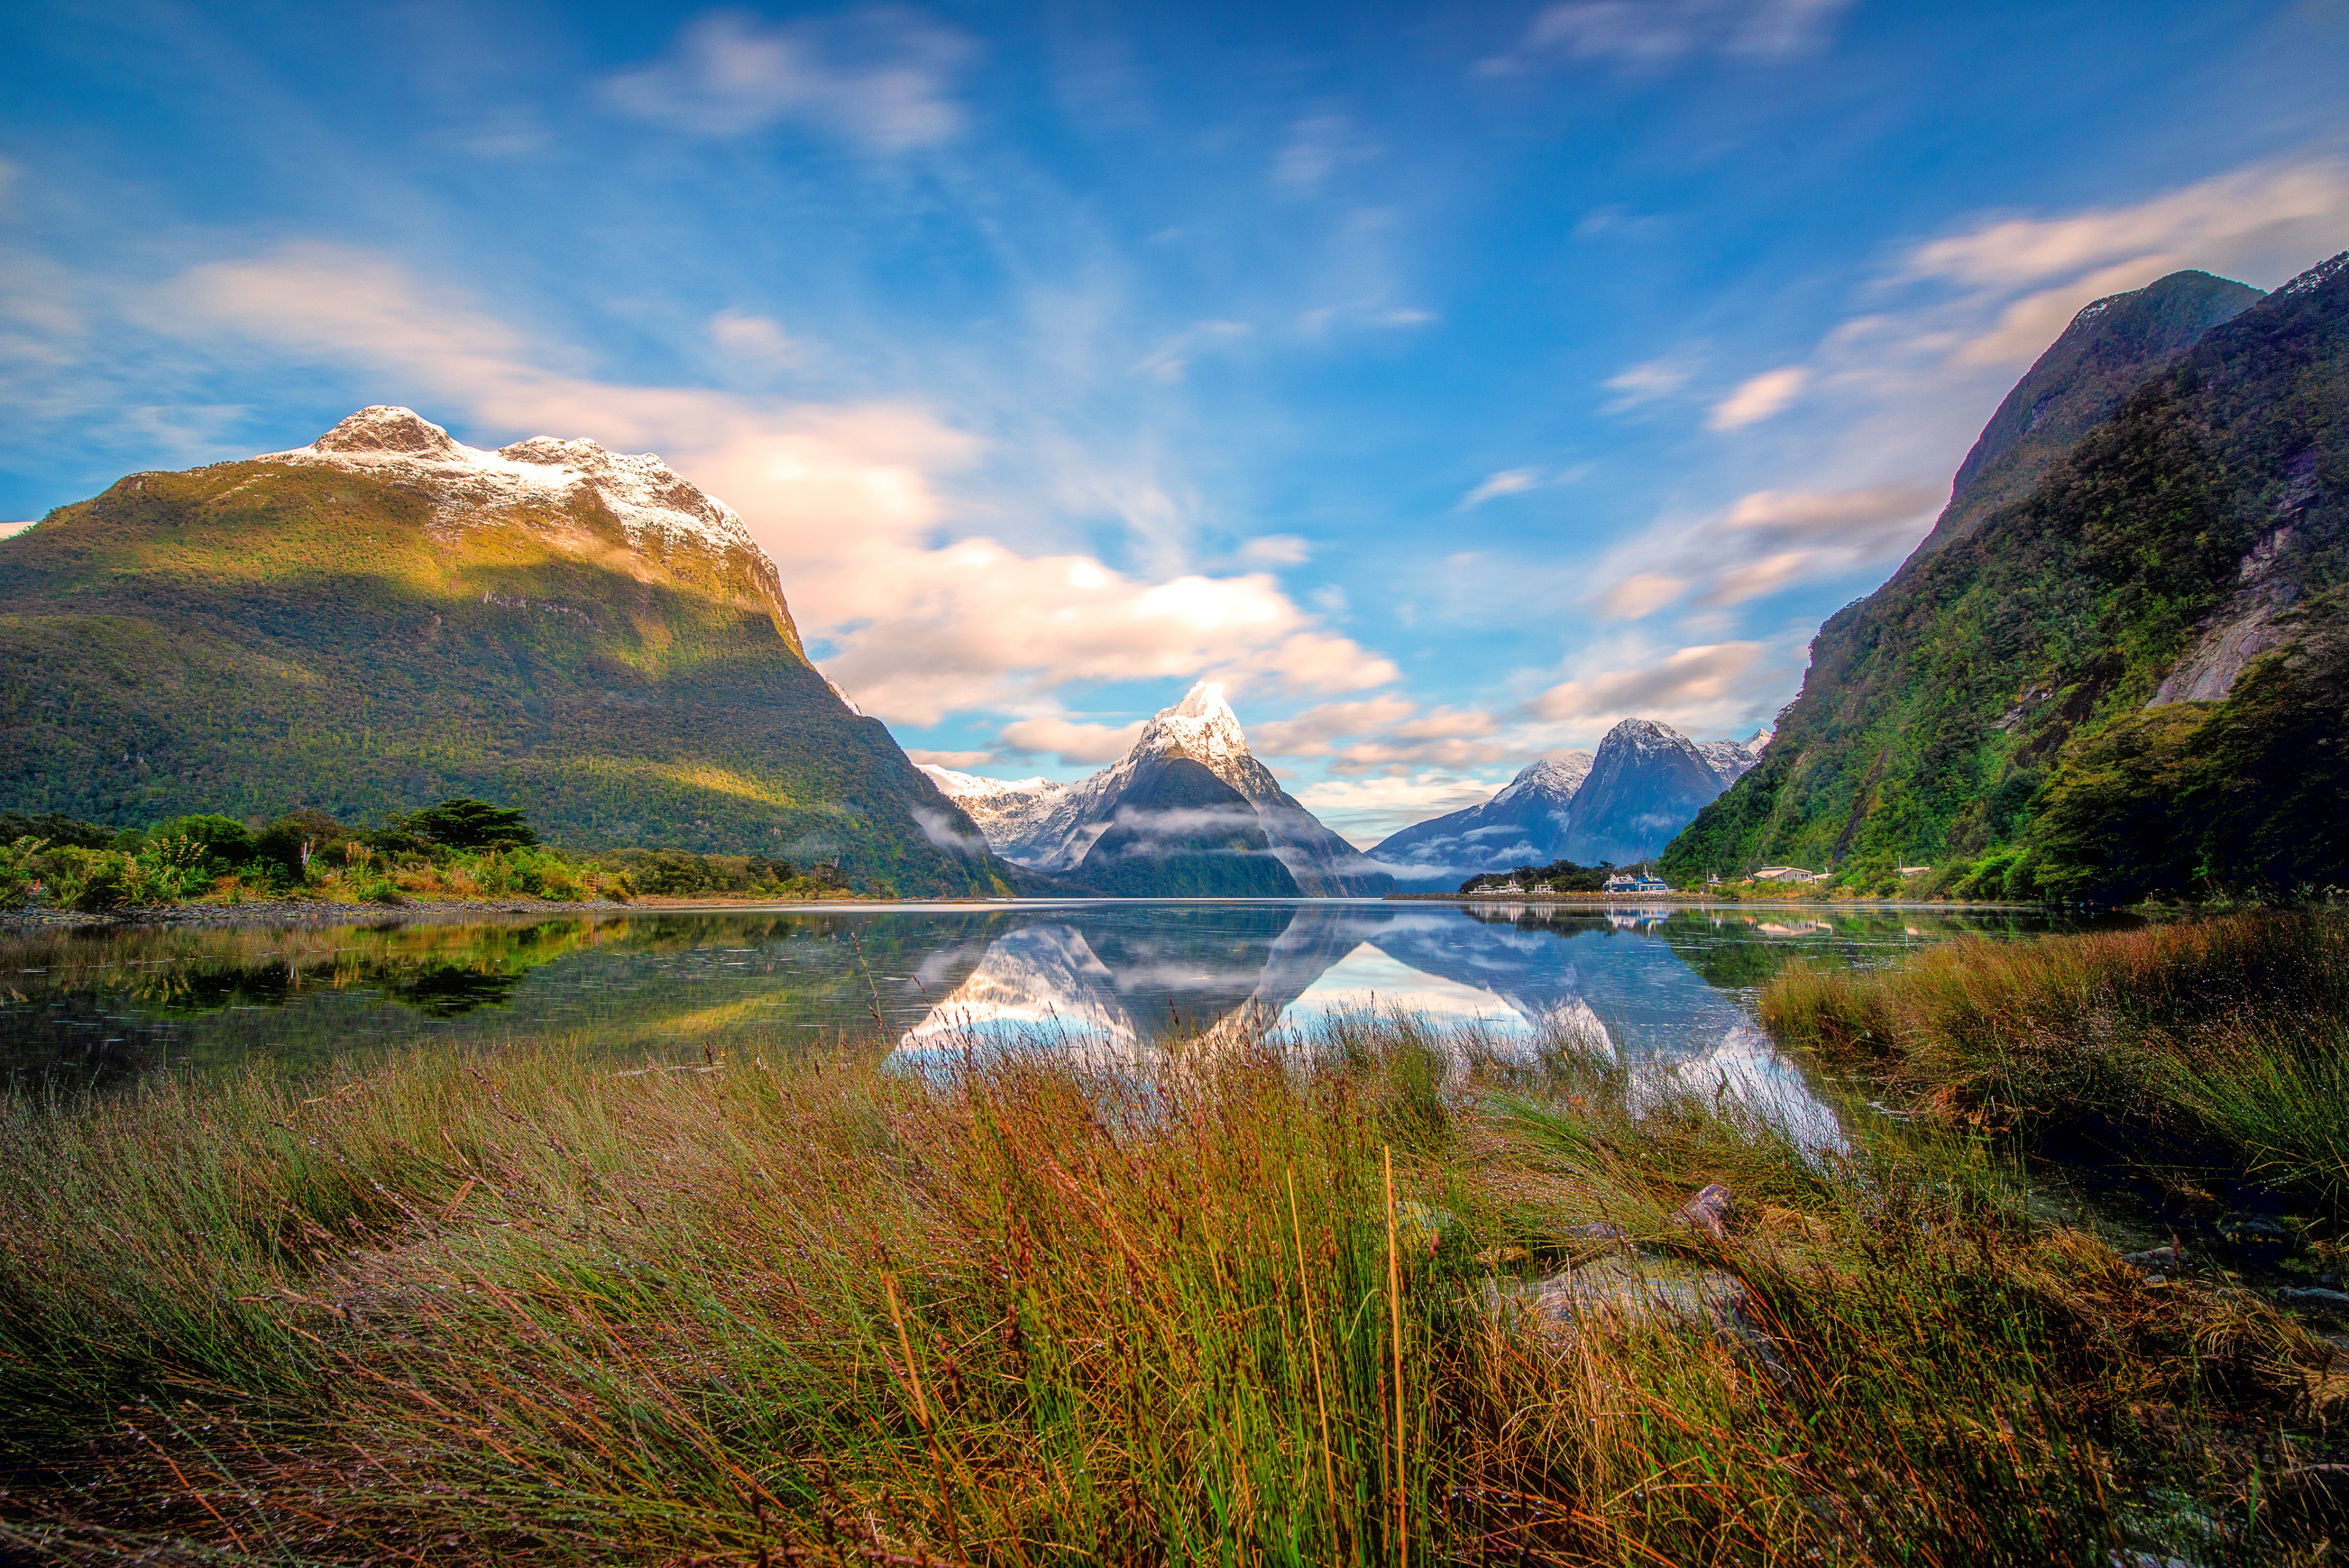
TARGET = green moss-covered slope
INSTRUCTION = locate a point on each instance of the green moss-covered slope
(253, 637)
(1998, 708)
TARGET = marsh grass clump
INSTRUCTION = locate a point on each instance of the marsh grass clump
(1241, 1303)
(2220, 1041)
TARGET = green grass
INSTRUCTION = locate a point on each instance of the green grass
(2229, 1034)
(521, 1306)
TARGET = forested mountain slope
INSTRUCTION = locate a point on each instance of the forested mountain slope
(2129, 680)
(387, 616)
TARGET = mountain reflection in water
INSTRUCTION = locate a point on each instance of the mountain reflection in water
(1667, 992)
(1118, 992)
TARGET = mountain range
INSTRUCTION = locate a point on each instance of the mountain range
(387, 617)
(1620, 804)
(1187, 808)
(2119, 665)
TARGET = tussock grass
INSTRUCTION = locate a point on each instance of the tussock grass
(1021, 1309)
(2230, 1034)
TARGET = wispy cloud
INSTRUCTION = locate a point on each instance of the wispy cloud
(1171, 360)
(1657, 32)
(948, 759)
(1683, 687)
(755, 339)
(1366, 810)
(884, 78)
(914, 613)
(1318, 146)
(1648, 382)
(1763, 542)
(1069, 743)
(1509, 482)
(1759, 398)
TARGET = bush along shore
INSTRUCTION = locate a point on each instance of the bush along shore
(1390, 1299)
(461, 852)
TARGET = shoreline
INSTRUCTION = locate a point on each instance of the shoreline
(324, 912)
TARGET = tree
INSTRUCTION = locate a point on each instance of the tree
(466, 824)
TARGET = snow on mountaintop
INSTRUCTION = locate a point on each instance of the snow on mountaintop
(644, 493)
(1202, 726)
(971, 786)
(1559, 776)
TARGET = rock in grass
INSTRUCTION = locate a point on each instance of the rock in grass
(2153, 1260)
(1612, 1294)
(1708, 1211)
(2311, 1298)
(2257, 1236)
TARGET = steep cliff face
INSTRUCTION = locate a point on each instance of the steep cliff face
(2126, 679)
(2106, 352)
(1051, 827)
(387, 617)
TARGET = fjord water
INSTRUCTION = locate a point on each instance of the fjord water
(1119, 979)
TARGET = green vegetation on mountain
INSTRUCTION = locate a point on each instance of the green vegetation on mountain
(255, 637)
(1182, 832)
(1999, 709)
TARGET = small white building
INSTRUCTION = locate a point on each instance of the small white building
(1788, 874)
(1630, 882)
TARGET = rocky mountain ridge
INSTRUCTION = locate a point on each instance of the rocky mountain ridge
(1648, 773)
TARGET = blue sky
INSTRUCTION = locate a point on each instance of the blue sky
(1452, 380)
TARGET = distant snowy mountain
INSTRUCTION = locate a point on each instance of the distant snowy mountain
(1054, 827)
(1522, 826)
(1621, 804)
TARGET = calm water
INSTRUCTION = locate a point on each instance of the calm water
(1671, 991)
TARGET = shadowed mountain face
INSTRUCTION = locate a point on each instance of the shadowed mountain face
(1646, 783)
(2127, 678)
(1053, 828)
(387, 618)
(1178, 831)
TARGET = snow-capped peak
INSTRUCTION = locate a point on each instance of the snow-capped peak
(644, 493)
(1202, 726)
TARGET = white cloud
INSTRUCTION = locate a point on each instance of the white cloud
(757, 339)
(917, 621)
(884, 77)
(8, 530)
(1509, 482)
(1759, 398)
(1656, 33)
(948, 759)
(1071, 744)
